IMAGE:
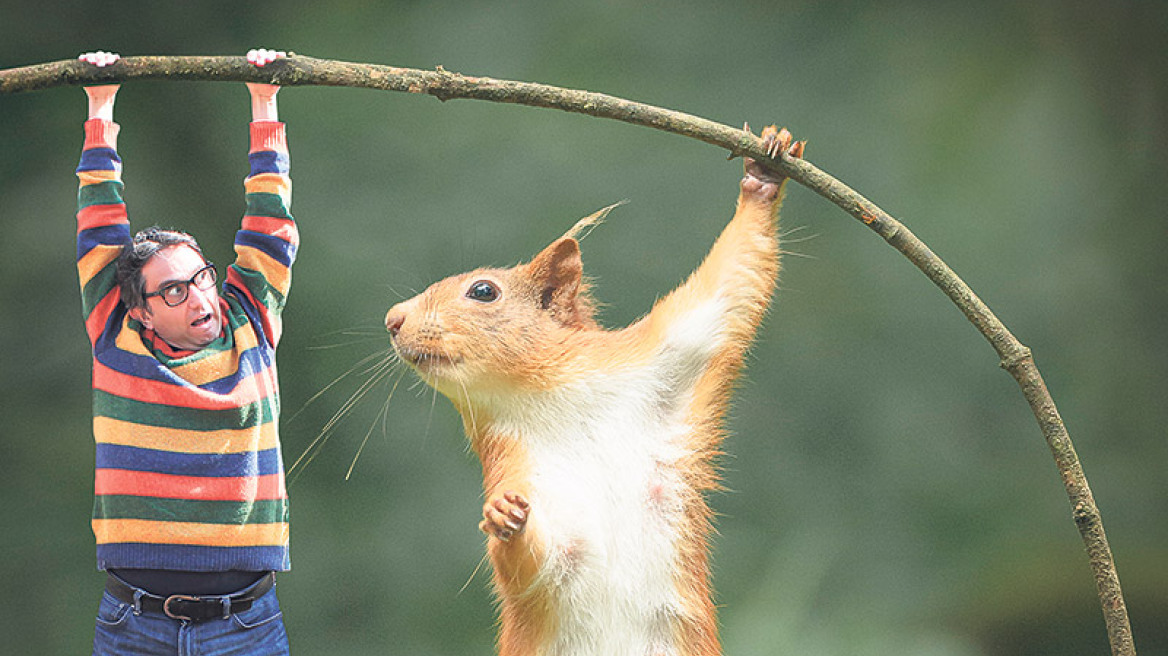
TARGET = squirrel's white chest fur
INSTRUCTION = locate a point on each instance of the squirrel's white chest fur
(606, 455)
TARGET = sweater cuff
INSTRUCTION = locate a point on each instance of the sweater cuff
(100, 133)
(268, 135)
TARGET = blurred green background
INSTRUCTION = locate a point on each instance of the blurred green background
(888, 491)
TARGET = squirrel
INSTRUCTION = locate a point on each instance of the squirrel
(597, 445)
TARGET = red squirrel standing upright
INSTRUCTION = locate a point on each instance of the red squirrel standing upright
(597, 445)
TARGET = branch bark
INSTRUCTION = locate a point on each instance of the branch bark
(1016, 358)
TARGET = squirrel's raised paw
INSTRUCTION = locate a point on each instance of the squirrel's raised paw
(778, 141)
(505, 515)
(762, 183)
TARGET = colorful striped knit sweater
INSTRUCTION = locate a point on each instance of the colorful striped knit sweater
(189, 473)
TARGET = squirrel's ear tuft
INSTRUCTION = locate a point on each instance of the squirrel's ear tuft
(586, 224)
(558, 275)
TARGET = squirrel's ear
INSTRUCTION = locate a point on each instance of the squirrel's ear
(557, 273)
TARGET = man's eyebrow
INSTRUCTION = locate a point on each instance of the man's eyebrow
(164, 283)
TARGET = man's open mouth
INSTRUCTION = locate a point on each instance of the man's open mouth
(201, 320)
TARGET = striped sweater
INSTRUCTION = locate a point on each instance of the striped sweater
(189, 473)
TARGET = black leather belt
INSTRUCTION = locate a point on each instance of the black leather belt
(190, 608)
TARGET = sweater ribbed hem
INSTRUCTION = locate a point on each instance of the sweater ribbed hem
(268, 135)
(100, 133)
(192, 558)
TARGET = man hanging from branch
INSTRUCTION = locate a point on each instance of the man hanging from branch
(191, 512)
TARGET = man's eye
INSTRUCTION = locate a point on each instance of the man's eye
(483, 291)
(174, 292)
(205, 278)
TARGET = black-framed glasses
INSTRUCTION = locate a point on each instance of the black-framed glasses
(176, 293)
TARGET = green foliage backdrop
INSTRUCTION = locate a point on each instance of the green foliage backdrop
(887, 490)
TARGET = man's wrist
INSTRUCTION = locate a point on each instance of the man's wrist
(264, 109)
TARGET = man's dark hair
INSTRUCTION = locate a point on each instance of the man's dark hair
(137, 253)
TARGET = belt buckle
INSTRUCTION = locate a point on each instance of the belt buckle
(171, 614)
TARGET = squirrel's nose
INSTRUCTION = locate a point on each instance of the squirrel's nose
(394, 320)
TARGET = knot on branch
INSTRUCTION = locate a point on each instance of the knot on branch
(442, 83)
(1017, 358)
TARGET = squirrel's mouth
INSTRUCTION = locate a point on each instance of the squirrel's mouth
(425, 361)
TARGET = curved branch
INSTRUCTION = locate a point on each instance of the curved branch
(1016, 358)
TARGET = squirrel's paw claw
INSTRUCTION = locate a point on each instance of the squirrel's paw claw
(778, 141)
(761, 181)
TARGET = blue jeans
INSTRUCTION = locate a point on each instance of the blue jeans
(258, 631)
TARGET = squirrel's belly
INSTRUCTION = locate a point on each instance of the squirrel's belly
(606, 464)
(612, 518)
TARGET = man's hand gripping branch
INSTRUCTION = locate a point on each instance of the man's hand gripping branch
(263, 96)
(101, 98)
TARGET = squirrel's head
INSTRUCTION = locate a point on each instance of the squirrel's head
(498, 329)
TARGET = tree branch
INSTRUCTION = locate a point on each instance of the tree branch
(1016, 358)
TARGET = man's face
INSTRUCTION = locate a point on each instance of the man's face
(192, 324)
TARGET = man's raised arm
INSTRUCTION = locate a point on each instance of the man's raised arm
(266, 243)
(102, 225)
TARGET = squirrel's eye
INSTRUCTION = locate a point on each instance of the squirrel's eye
(483, 291)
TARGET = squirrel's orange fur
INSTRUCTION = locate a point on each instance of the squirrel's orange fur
(597, 445)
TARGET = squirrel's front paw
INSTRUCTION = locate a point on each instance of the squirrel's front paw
(505, 515)
(762, 182)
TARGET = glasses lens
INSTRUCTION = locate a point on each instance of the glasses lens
(174, 293)
(205, 278)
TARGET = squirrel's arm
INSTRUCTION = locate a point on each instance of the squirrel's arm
(728, 294)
